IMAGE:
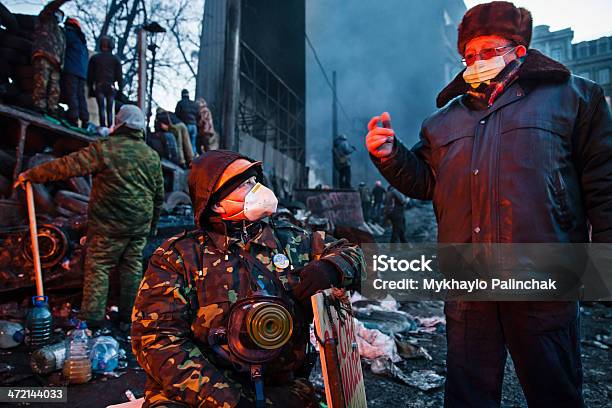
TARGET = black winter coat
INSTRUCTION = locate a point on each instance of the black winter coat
(187, 111)
(534, 167)
(105, 68)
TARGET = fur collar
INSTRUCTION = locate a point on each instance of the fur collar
(537, 67)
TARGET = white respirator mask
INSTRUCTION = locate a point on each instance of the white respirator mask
(483, 70)
(259, 203)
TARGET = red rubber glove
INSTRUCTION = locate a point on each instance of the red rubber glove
(380, 140)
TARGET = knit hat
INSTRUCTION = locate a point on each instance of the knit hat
(500, 18)
(73, 22)
(130, 116)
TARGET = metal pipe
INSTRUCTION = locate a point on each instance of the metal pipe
(142, 69)
(335, 175)
(34, 240)
(23, 126)
(153, 48)
(231, 80)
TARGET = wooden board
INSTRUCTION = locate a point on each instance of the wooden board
(343, 368)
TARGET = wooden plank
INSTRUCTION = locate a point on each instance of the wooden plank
(37, 120)
(342, 368)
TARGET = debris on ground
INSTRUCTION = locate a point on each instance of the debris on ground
(605, 339)
(408, 350)
(11, 334)
(430, 324)
(424, 380)
(386, 316)
(104, 354)
(595, 343)
(374, 344)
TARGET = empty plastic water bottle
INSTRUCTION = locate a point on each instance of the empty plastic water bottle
(11, 334)
(49, 358)
(77, 367)
(39, 323)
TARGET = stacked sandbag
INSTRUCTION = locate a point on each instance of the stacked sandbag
(15, 57)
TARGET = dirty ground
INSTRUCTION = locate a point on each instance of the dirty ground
(381, 391)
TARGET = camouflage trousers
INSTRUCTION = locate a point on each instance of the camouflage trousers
(46, 92)
(104, 253)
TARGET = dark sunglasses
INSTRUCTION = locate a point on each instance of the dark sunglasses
(484, 54)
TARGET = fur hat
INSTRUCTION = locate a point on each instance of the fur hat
(500, 18)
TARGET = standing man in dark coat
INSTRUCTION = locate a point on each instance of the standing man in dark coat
(105, 79)
(187, 111)
(366, 200)
(342, 160)
(47, 57)
(75, 73)
(519, 152)
(395, 204)
(378, 196)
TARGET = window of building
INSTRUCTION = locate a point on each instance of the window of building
(583, 50)
(585, 74)
(603, 45)
(603, 76)
(557, 54)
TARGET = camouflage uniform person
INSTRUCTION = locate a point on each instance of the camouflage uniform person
(194, 278)
(47, 57)
(124, 207)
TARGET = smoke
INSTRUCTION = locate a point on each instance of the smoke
(389, 56)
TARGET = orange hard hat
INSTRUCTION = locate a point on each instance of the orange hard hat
(236, 167)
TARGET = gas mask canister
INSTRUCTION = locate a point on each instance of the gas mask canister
(258, 203)
(483, 70)
(258, 328)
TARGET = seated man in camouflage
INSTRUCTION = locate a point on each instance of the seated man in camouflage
(190, 333)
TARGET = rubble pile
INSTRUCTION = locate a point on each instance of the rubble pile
(61, 209)
(387, 335)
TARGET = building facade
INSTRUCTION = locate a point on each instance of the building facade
(270, 119)
(589, 59)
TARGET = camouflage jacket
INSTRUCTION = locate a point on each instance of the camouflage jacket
(128, 187)
(49, 40)
(189, 287)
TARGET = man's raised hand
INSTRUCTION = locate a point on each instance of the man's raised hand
(379, 140)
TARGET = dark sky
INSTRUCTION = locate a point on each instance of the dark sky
(389, 56)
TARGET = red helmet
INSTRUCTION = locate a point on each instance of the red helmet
(73, 22)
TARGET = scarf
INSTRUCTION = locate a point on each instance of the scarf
(485, 95)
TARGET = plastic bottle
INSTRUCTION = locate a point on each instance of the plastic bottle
(49, 358)
(39, 323)
(77, 367)
(104, 354)
(11, 334)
